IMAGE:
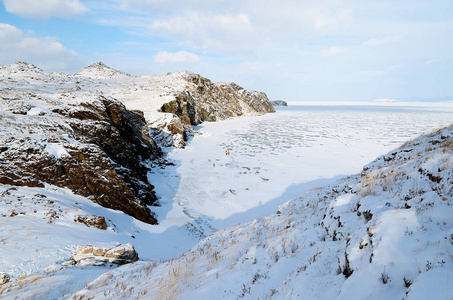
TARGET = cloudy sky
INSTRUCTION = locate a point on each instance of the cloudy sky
(307, 50)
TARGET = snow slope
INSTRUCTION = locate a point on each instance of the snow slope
(386, 233)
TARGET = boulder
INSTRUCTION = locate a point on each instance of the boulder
(125, 252)
(98, 256)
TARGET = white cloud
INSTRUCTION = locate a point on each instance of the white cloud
(334, 50)
(46, 52)
(386, 40)
(201, 30)
(44, 9)
(233, 27)
(176, 57)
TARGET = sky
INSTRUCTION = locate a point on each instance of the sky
(294, 50)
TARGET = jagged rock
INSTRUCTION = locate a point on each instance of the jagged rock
(93, 220)
(279, 103)
(4, 278)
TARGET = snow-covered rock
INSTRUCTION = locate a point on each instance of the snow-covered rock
(100, 71)
(92, 145)
(96, 256)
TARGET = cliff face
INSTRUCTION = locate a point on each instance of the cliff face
(95, 147)
(203, 100)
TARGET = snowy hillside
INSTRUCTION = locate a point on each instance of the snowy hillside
(386, 233)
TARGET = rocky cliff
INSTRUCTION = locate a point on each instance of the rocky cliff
(93, 146)
(203, 100)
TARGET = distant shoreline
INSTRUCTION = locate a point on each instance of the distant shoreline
(370, 103)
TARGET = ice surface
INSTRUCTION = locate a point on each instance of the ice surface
(276, 157)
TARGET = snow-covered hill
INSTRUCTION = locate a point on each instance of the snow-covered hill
(386, 233)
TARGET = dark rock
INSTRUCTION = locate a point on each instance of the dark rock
(279, 103)
(94, 221)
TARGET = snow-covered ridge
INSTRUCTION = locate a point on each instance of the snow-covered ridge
(100, 70)
(385, 233)
(192, 98)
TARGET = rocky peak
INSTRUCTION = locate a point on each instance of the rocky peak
(100, 70)
(23, 67)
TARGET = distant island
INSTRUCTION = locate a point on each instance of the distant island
(383, 100)
(279, 103)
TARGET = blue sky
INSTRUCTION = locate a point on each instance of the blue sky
(307, 50)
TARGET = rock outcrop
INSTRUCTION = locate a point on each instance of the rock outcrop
(203, 100)
(98, 256)
(97, 148)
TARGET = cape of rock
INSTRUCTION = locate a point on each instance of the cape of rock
(97, 131)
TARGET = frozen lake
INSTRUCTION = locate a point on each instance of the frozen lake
(276, 157)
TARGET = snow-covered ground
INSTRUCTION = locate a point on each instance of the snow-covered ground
(273, 158)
